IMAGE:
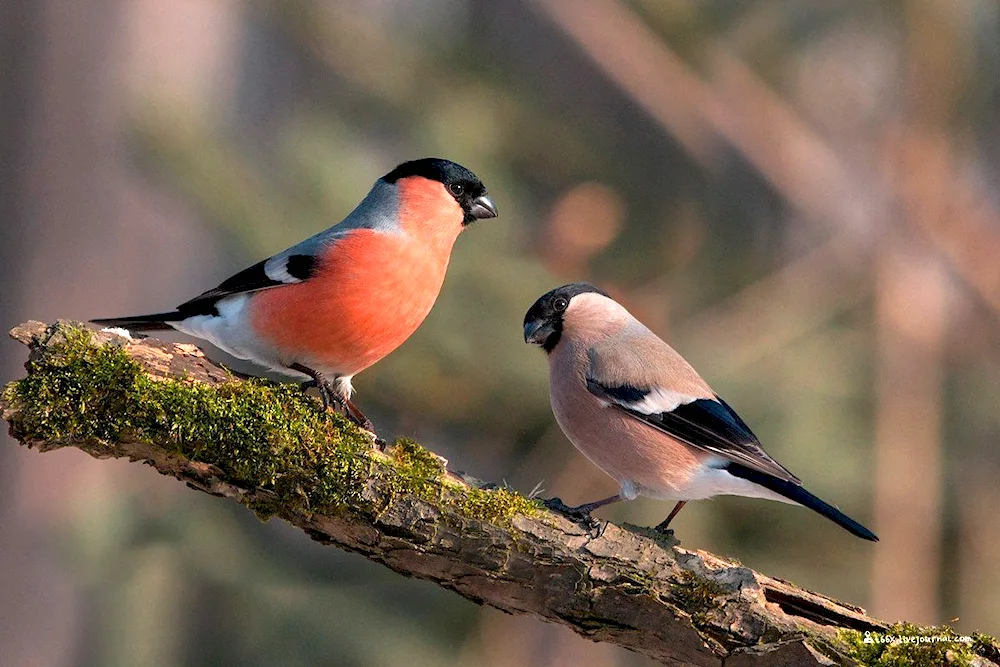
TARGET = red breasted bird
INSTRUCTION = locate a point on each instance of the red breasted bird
(642, 414)
(336, 303)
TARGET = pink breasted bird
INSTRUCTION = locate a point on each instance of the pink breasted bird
(336, 303)
(642, 414)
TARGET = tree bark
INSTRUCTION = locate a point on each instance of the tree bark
(623, 584)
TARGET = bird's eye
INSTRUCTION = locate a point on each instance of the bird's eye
(560, 304)
(456, 189)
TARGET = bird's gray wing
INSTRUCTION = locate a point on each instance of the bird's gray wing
(653, 384)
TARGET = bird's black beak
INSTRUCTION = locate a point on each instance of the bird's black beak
(482, 208)
(537, 332)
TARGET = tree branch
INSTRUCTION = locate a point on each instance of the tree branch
(270, 448)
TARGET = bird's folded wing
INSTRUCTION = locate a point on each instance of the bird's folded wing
(706, 422)
(279, 270)
(289, 266)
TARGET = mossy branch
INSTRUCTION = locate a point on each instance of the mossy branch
(271, 448)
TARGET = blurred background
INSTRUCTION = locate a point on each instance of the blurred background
(799, 195)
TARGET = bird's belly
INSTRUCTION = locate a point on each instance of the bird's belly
(360, 307)
(713, 481)
(642, 460)
(230, 331)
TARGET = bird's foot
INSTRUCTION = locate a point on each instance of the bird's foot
(312, 384)
(358, 418)
(377, 441)
(341, 404)
(354, 413)
(661, 527)
(579, 514)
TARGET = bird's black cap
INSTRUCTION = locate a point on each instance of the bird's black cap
(544, 320)
(463, 185)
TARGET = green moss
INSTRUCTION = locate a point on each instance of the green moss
(914, 646)
(258, 433)
(423, 472)
(418, 467)
(495, 506)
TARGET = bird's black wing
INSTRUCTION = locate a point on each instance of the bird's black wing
(282, 270)
(706, 423)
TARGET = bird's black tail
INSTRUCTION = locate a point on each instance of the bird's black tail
(797, 493)
(154, 322)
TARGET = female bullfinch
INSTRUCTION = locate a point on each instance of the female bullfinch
(336, 303)
(640, 412)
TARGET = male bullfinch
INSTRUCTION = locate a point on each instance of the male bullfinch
(640, 413)
(336, 303)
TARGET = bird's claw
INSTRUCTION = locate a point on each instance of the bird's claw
(361, 422)
(584, 518)
(324, 392)
(557, 505)
(595, 526)
(355, 415)
(333, 400)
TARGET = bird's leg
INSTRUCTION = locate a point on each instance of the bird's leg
(662, 526)
(359, 418)
(320, 382)
(581, 513)
(590, 507)
(332, 398)
(557, 505)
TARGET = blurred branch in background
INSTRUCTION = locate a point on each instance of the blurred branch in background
(944, 200)
(912, 311)
(769, 314)
(732, 108)
(828, 187)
